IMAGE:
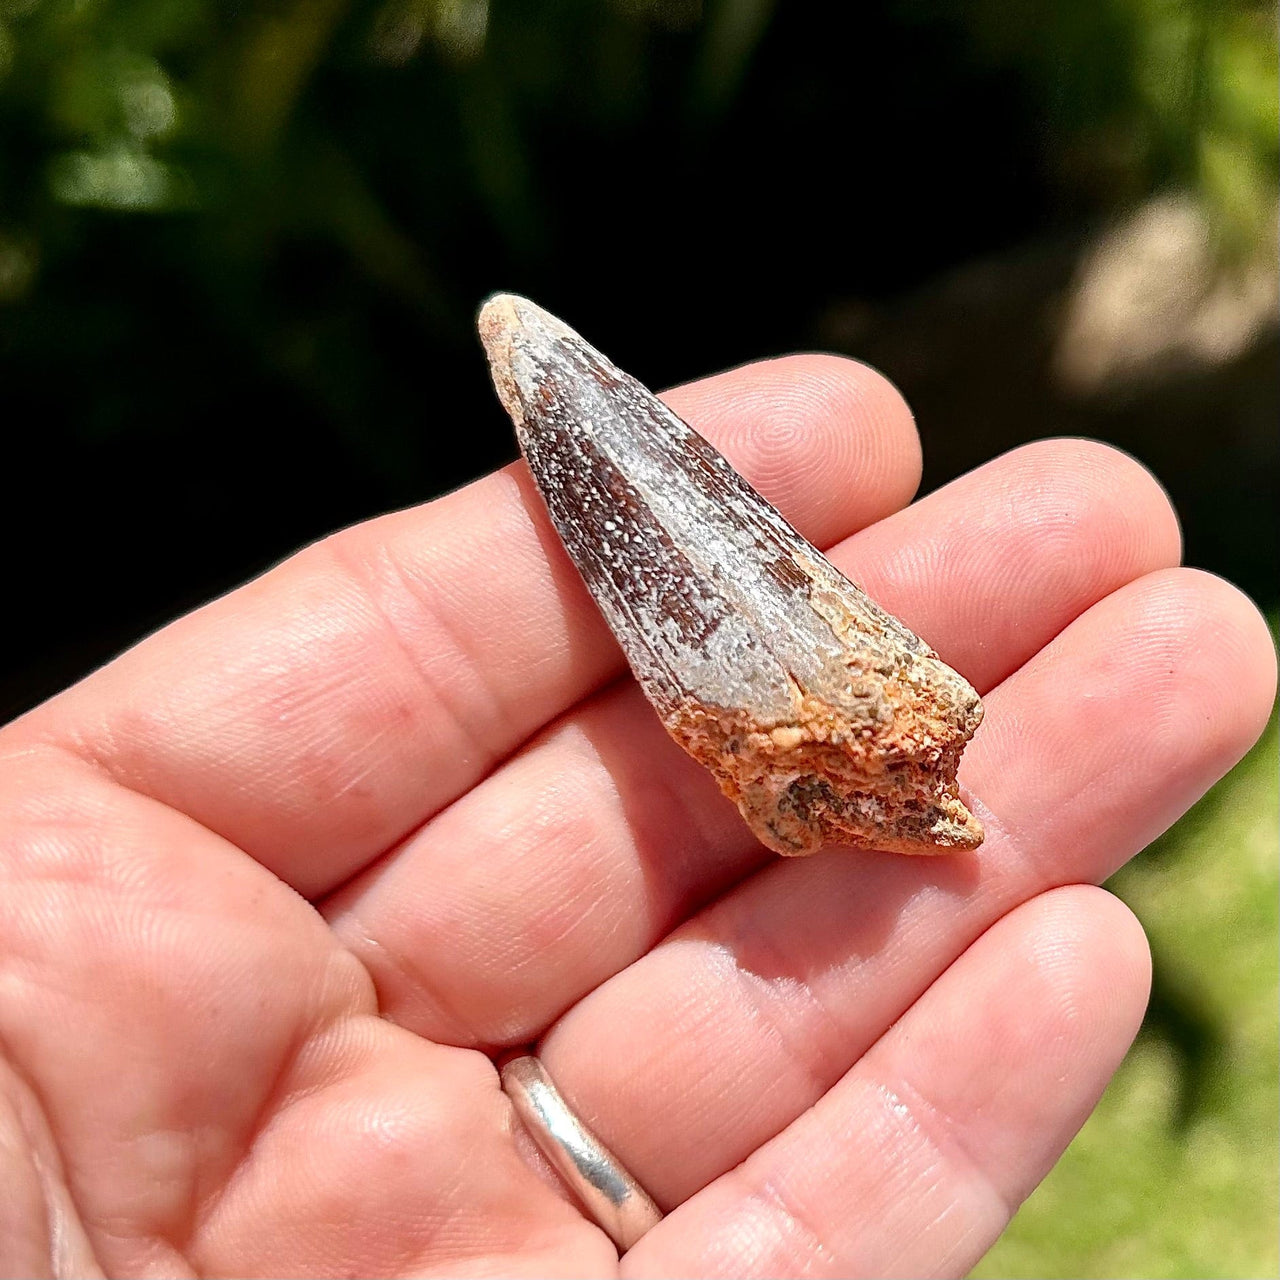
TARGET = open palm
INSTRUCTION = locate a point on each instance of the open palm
(278, 886)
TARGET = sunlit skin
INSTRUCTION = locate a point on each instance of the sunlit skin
(279, 885)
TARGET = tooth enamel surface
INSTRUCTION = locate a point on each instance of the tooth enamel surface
(824, 718)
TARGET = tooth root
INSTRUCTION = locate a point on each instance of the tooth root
(821, 716)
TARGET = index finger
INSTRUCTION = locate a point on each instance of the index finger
(319, 714)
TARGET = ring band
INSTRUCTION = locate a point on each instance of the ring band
(617, 1202)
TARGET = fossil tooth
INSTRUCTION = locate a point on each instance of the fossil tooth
(821, 716)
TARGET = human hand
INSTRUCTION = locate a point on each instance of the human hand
(279, 884)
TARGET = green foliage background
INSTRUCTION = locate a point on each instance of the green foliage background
(240, 251)
(1176, 1172)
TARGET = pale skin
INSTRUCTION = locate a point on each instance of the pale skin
(279, 885)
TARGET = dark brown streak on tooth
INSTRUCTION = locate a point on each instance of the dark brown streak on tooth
(822, 717)
(593, 507)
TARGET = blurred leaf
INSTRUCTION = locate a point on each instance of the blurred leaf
(733, 32)
(117, 177)
(279, 54)
(18, 265)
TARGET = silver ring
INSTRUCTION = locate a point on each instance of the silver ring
(613, 1198)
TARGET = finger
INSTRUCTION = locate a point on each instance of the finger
(997, 564)
(203, 1079)
(914, 1162)
(40, 1231)
(578, 855)
(723, 1034)
(394, 1157)
(317, 715)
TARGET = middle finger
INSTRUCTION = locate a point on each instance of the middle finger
(574, 858)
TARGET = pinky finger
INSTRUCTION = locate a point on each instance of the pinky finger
(915, 1161)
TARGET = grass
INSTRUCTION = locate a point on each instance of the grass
(1177, 1173)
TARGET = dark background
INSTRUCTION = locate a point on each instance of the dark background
(241, 248)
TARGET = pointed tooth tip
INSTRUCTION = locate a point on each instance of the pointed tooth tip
(498, 320)
(504, 315)
(507, 312)
(500, 309)
(510, 326)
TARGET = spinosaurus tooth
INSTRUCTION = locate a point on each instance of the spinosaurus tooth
(821, 716)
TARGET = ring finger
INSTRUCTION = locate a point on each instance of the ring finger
(912, 1164)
